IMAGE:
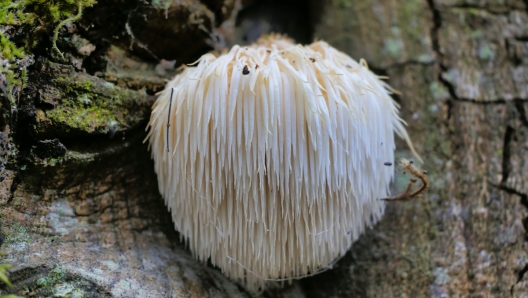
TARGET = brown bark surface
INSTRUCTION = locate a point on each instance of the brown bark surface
(79, 205)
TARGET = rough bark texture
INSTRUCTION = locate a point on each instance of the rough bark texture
(79, 204)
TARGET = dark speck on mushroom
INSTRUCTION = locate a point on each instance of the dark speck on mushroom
(245, 71)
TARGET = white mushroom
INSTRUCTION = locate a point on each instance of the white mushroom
(271, 157)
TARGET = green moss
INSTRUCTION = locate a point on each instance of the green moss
(84, 119)
(9, 54)
(56, 275)
(24, 78)
(42, 282)
(34, 15)
(9, 50)
(75, 85)
(45, 11)
(58, 282)
(87, 104)
(80, 5)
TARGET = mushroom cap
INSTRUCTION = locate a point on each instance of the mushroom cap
(271, 156)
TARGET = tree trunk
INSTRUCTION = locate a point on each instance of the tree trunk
(80, 209)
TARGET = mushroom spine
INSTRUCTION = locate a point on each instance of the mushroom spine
(271, 156)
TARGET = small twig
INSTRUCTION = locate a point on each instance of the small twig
(168, 119)
(61, 24)
(408, 194)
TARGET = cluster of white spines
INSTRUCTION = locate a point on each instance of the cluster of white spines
(273, 174)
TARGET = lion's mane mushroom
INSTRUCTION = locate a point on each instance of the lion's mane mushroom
(271, 157)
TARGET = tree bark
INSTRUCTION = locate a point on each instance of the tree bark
(79, 204)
